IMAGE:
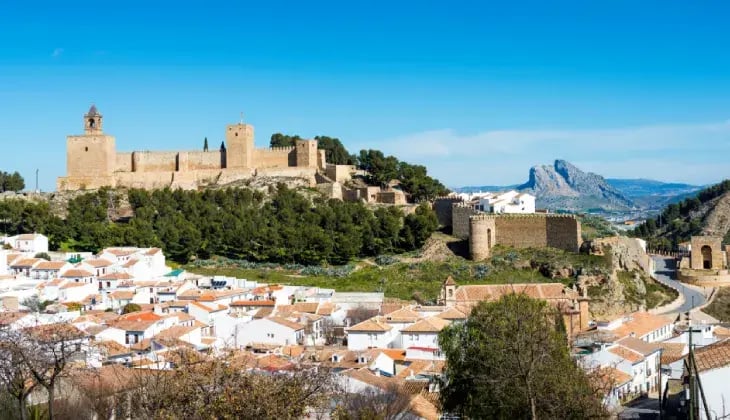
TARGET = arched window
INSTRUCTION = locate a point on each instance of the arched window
(92, 123)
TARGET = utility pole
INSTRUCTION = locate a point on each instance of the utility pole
(37, 190)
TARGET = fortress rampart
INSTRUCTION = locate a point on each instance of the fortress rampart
(538, 230)
(93, 161)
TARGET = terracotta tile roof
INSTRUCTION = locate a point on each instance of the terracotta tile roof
(210, 307)
(7, 318)
(402, 316)
(26, 262)
(387, 308)
(428, 325)
(419, 367)
(640, 324)
(452, 314)
(309, 307)
(55, 282)
(76, 272)
(122, 295)
(614, 376)
(292, 351)
(639, 346)
(56, 332)
(115, 276)
(424, 408)
(28, 236)
(364, 375)
(271, 362)
(671, 352)
(176, 331)
(627, 354)
(254, 303)
(111, 348)
(285, 322)
(141, 316)
(152, 251)
(449, 281)
(547, 291)
(375, 324)
(263, 313)
(326, 308)
(118, 252)
(721, 332)
(714, 356)
(98, 263)
(397, 355)
(71, 285)
(50, 265)
(130, 263)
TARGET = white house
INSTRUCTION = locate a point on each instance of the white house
(423, 336)
(49, 270)
(713, 365)
(207, 313)
(30, 243)
(508, 202)
(23, 266)
(273, 330)
(71, 291)
(642, 325)
(372, 333)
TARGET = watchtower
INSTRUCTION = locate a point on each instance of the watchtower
(240, 147)
(93, 121)
(307, 153)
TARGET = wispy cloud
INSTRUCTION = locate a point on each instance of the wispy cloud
(682, 152)
(57, 53)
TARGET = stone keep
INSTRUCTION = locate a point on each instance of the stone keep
(706, 253)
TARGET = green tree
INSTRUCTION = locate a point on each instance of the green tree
(283, 140)
(205, 144)
(510, 359)
(335, 151)
(43, 255)
(131, 307)
(11, 182)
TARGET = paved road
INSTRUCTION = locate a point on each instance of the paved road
(665, 273)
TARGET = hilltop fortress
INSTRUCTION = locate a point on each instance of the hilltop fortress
(485, 230)
(94, 162)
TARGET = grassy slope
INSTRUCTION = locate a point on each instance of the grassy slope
(720, 307)
(423, 280)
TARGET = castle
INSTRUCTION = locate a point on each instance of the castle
(94, 162)
(484, 230)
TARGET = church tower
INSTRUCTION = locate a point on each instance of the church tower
(90, 157)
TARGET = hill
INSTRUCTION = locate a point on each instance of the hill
(707, 213)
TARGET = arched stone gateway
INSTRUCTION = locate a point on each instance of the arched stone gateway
(706, 253)
(706, 257)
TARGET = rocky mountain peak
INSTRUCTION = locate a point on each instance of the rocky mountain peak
(562, 185)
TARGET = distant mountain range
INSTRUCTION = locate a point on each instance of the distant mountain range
(562, 186)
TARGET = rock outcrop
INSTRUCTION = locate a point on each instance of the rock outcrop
(564, 186)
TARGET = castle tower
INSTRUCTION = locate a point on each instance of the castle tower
(307, 156)
(239, 146)
(482, 236)
(90, 157)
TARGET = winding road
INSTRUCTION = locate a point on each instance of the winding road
(665, 273)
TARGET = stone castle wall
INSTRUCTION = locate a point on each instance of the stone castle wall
(515, 230)
(195, 161)
(460, 214)
(90, 156)
(528, 231)
(275, 157)
(442, 208)
(154, 161)
(124, 162)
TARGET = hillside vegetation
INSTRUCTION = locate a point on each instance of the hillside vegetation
(283, 226)
(708, 213)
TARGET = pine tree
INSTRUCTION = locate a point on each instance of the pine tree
(205, 144)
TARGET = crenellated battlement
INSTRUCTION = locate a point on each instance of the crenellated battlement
(93, 161)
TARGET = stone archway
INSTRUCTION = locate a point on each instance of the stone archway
(706, 252)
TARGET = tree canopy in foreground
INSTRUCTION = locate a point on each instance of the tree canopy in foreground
(510, 360)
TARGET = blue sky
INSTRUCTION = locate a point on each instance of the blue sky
(477, 91)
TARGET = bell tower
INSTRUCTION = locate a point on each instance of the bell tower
(93, 121)
(91, 158)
